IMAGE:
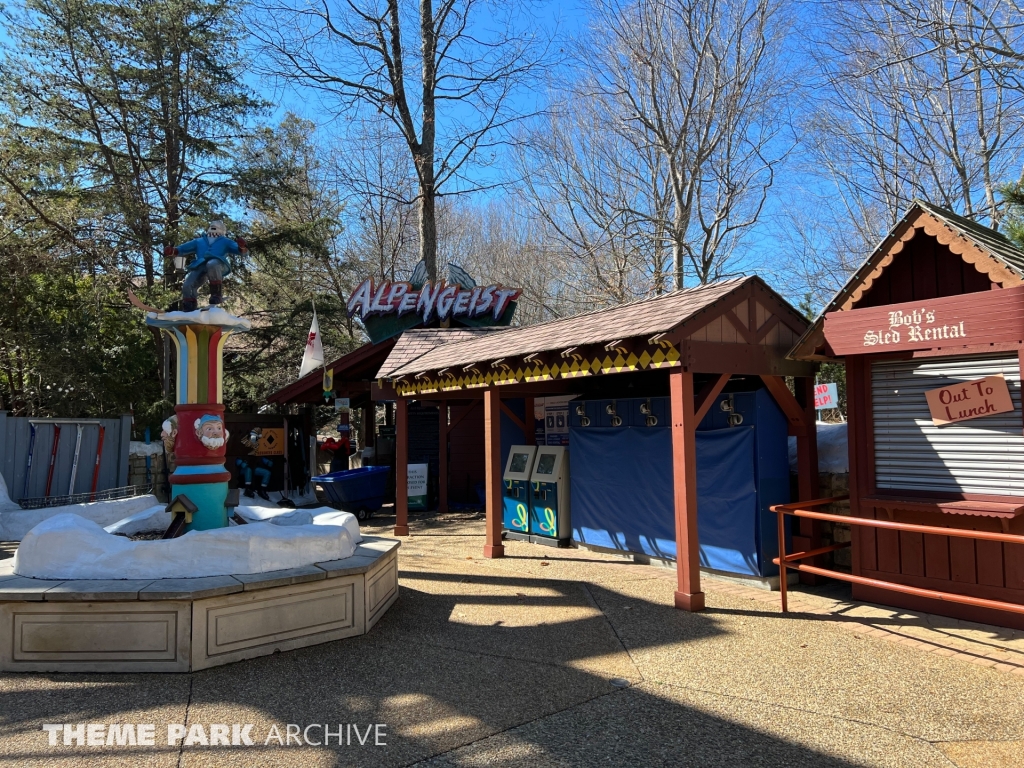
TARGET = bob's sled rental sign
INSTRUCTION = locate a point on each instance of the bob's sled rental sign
(387, 308)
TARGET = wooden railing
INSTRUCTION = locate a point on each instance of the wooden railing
(792, 561)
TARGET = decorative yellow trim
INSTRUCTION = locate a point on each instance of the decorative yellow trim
(180, 386)
(193, 364)
(665, 356)
(220, 365)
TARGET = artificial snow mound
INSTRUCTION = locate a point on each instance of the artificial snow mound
(206, 316)
(5, 501)
(157, 519)
(70, 547)
(833, 455)
(139, 448)
(15, 522)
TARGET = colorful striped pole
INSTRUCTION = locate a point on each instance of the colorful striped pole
(201, 443)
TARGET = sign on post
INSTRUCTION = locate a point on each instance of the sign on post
(418, 486)
(826, 396)
(969, 400)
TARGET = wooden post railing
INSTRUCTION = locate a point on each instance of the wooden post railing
(792, 561)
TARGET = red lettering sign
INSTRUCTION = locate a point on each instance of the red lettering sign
(969, 400)
(432, 300)
(952, 321)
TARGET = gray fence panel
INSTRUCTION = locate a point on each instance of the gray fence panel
(123, 444)
(3, 444)
(14, 457)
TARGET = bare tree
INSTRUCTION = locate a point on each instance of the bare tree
(911, 109)
(695, 90)
(378, 186)
(917, 99)
(446, 73)
(496, 243)
(603, 200)
(990, 32)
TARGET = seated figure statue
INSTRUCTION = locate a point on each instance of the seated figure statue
(210, 264)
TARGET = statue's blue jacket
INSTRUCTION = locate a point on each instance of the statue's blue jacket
(207, 250)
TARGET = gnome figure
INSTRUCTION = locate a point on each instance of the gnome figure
(210, 431)
(168, 435)
(210, 264)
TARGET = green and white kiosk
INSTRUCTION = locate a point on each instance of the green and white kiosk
(549, 495)
(516, 490)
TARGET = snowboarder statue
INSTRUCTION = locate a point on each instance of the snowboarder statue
(210, 264)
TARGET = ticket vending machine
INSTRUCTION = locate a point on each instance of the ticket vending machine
(549, 493)
(516, 492)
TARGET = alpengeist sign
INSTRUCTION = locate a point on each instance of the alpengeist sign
(387, 308)
(429, 301)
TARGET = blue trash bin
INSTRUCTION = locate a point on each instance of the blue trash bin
(361, 491)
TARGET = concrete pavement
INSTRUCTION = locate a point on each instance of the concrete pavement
(567, 658)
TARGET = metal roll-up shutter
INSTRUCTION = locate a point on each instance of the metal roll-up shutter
(983, 455)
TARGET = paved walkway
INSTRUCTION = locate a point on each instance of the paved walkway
(570, 658)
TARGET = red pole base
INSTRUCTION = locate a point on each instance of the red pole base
(494, 550)
(401, 530)
(690, 602)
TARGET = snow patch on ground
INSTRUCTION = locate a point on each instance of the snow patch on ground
(70, 547)
(833, 456)
(139, 448)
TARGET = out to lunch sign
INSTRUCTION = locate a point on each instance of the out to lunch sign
(973, 318)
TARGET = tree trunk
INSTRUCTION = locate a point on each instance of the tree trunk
(425, 157)
(678, 234)
(428, 232)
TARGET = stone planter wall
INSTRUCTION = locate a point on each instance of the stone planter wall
(157, 474)
(178, 625)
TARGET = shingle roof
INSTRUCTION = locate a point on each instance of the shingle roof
(358, 365)
(645, 317)
(989, 240)
(416, 342)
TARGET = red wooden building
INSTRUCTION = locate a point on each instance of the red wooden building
(937, 308)
(457, 453)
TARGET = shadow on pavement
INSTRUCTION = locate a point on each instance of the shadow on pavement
(528, 659)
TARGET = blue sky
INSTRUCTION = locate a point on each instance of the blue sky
(566, 18)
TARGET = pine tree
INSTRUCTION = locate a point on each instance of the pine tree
(145, 98)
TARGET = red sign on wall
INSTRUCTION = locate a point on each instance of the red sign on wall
(826, 396)
(972, 318)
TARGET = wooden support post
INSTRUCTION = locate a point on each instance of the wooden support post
(858, 387)
(706, 397)
(531, 427)
(402, 467)
(809, 531)
(442, 457)
(492, 468)
(684, 480)
(369, 424)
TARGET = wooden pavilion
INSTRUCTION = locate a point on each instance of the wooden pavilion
(687, 344)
